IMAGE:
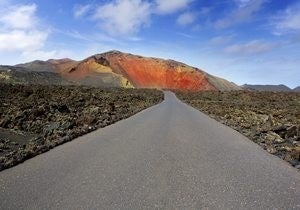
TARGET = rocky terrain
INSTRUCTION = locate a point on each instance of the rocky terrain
(118, 69)
(20, 75)
(35, 118)
(270, 119)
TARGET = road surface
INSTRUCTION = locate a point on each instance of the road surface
(169, 156)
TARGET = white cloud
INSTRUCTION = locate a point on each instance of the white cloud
(171, 6)
(19, 17)
(81, 10)
(123, 17)
(128, 17)
(20, 31)
(186, 18)
(250, 48)
(288, 20)
(220, 40)
(18, 40)
(243, 13)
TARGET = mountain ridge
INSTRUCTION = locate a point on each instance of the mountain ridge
(273, 88)
(118, 69)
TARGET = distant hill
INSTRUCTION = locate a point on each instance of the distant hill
(273, 88)
(297, 89)
(39, 66)
(118, 69)
(19, 75)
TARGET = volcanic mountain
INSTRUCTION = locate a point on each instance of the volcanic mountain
(117, 69)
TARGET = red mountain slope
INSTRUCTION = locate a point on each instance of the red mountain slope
(119, 69)
(155, 73)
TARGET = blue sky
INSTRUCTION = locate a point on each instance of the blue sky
(244, 41)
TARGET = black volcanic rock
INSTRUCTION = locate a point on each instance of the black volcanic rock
(35, 118)
(270, 119)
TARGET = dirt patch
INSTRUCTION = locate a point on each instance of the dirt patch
(34, 119)
(271, 120)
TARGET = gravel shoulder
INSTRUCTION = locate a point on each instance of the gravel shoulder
(270, 119)
(36, 118)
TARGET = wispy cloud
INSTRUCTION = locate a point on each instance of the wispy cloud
(90, 37)
(186, 18)
(288, 20)
(167, 6)
(250, 48)
(243, 13)
(242, 3)
(75, 34)
(81, 10)
(221, 40)
(135, 39)
(185, 35)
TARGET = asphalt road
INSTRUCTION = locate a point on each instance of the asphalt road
(169, 156)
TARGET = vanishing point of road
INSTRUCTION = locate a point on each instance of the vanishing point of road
(169, 156)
